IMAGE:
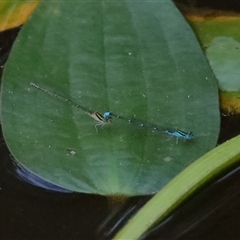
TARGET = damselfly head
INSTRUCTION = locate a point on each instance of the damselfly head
(107, 115)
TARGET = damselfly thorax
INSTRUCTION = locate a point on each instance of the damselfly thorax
(100, 120)
(179, 134)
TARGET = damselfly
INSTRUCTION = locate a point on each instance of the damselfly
(100, 119)
(178, 134)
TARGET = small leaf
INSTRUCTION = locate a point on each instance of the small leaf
(14, 13)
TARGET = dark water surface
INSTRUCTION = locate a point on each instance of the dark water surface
(30, 212)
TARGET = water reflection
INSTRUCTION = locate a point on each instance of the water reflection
(23, 174)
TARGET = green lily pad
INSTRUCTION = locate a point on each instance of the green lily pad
(139, 60)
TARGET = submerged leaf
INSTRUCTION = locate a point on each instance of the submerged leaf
(218, 33)
(224, 57)
(137, 60)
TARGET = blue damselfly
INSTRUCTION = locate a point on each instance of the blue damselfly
(177, 133)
